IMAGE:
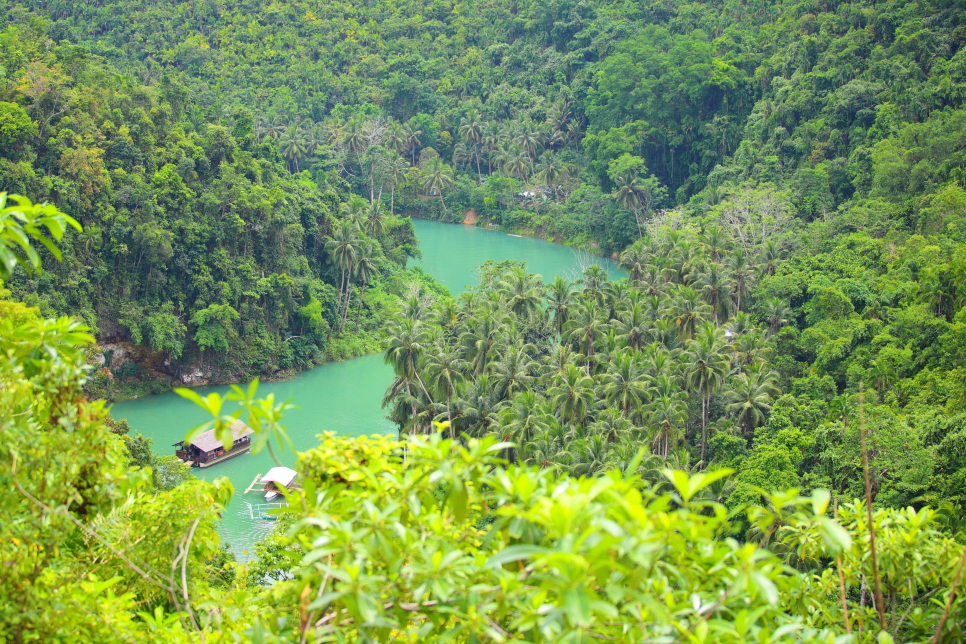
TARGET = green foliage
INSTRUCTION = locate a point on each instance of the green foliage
(23, 223)
(438, 539)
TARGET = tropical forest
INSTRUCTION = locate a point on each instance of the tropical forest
(548, 321)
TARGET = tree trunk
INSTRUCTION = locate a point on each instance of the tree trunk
(704, 429)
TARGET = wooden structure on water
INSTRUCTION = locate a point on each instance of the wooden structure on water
(265, 511)
(272, 484)
(206, 450)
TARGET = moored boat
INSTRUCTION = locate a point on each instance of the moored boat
(206, 450)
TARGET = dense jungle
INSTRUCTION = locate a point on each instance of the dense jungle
(756, 435)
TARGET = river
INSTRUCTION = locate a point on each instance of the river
(342, 397)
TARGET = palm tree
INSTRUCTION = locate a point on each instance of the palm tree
(560, 297)
(715, 242)
(513, 370)
(742, 277)
(407, 342)
(445, 374)
(550, 172)
(584, 327)
(630, 194)
(472, 129)
(437, 176)
(354, 137)
(776, 313)
(709, 366)
(769, 259)
(343, 249)
(395, 137)
(354, 211)
(572, 394)
(522, 292)
(635, 260)
(365, 270)
(633, 325)
(485, 332)
(594, 279)
(293, 145)
(411, 136)
(478, 406)
(750, 398)
(525, 417)
(516, 162)
(667, 413)
(716, 288)
(397, 176)
(624, 383)
(375, 222)
(689, 311)
(529, 138)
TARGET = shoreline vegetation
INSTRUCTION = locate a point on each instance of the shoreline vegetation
(759, 435)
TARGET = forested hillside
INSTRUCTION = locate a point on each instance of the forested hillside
(576, 121)
(530, 105)
(758, 435)
(198, 243)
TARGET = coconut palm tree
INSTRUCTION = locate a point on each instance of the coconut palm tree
(343, 250)
(769, 258)
(294, 146)
(355, 139)
(354, 210)
(515, 162)
(584, 326)
(560, 297)
(530, 138)
(630, 194)
(550, 172)
(479, 405)
(632, 325)
(667, 414)
(375, 221)
(513, 370)
(624, 383)
(486, 330)
(411, 136)
(365, 271)
(708, 363)
(396, 170)
(444, 369)
(522, 292)
(742, 277)
(395, 137)
(716, 289)
(572, 394)
(689, 311)
(437, 176)
(750, 398)
(634, 260)
(472, 129)
(408, 341)
(594, 280)
(776, 313)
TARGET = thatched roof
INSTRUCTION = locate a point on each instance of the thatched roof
(207, 441)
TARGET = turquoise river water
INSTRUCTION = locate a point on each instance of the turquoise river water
(342, 397)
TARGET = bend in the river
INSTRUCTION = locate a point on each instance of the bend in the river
(344, 397)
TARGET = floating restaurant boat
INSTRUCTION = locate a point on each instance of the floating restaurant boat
(272, 484)
(206, 450)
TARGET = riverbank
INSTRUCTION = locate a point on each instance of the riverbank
(103, 383)
(122, 370)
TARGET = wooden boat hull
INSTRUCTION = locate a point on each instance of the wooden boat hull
(225, 457)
